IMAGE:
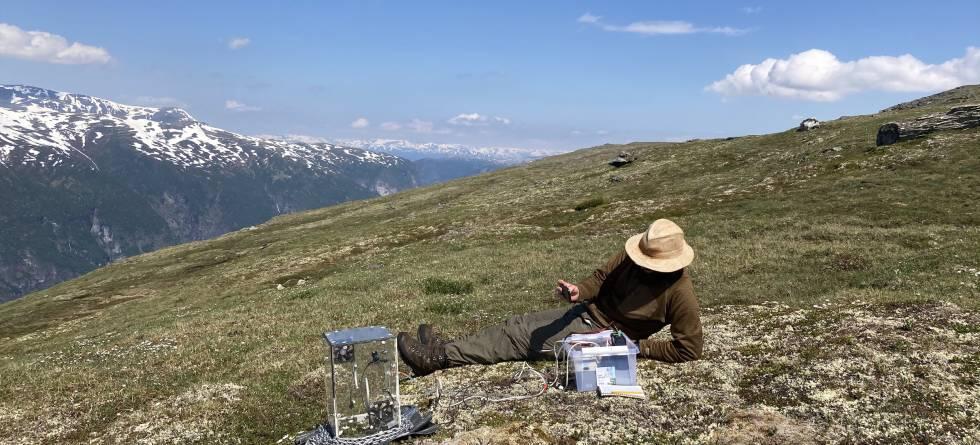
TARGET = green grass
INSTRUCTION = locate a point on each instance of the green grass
(590, 203)
(443, 286)
(772, 218)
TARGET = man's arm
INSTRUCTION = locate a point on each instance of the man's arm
(684, 316)
(588, 288)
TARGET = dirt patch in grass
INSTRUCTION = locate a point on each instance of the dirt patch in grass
(763, 427)
(312, 387)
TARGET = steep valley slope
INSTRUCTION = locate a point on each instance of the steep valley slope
(840, 285)
(85, 181)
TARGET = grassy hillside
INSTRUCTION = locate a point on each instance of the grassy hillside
(840, 283)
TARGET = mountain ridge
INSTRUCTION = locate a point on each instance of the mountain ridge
(88, 181)
(166, 134)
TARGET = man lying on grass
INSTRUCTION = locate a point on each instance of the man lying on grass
(639, 291)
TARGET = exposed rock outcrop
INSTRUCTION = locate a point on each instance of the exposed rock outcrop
(957, 118)
(959, 95)
(808, 124)
(624, 158)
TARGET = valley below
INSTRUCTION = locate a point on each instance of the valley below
(86, 182)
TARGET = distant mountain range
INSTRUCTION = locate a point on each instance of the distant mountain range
(411, 150)
(435, 162)
(428, 150)
(86, 181)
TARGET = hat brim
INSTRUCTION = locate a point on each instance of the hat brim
(682, 260)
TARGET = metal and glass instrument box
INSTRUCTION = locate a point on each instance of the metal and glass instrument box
(362, 390)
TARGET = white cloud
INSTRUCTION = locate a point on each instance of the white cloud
(360, 122)
(239, 42)
(819, 76)
(466, 119)
(752, 9)
(589, 133)
(415, 125)
(660, 27)
(589, 18)
(158, 102)
(420, 126)
(671, 27)
(235, 105)
(46, 47)
(477, 119)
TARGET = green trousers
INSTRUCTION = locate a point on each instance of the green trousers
(522, 337)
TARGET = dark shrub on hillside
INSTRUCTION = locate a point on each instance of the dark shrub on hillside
(446, 286)
(590, 203)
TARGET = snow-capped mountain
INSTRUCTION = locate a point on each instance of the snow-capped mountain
(86, 181)
(52, 128)
(429, 150)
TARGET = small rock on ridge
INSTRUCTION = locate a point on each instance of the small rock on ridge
(621, 160)
(808, 124)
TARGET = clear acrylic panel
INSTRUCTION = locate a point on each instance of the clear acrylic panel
(363, 393)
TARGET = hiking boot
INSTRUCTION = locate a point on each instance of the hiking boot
(421, 358)
(428, 336)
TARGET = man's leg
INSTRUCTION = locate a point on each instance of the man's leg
(522, 337)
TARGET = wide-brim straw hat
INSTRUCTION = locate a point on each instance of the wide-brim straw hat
(661, 248)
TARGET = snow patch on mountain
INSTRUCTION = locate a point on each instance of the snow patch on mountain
(47, 128)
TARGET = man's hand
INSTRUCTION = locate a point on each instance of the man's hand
(572, 289)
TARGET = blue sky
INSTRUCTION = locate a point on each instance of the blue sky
(548, 75)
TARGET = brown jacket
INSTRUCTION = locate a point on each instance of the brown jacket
(640, 302)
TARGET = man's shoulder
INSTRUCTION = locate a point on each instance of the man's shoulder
(683, 286)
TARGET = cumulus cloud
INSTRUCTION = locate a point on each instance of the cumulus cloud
(415, 125)
(46, 47)
(819, 75)
(239, 42)
(420, 126)
(589, 133)
(589, 18)
(360, 122)
(237, 106)
(660, 27)
(477, 119)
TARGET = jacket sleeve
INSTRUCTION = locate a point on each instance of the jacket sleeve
(589, 287)
(684, 316)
